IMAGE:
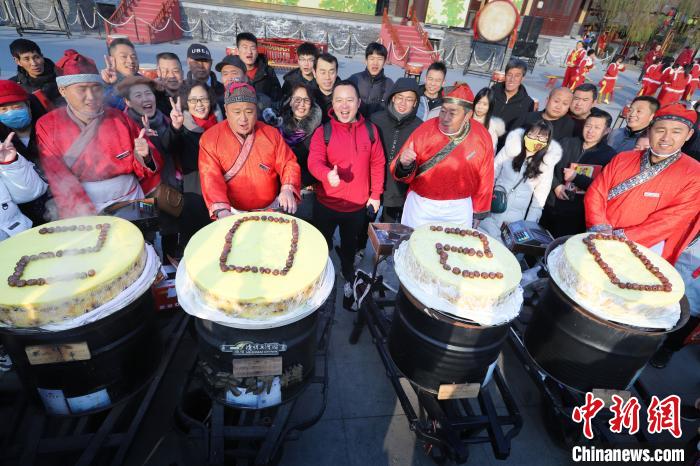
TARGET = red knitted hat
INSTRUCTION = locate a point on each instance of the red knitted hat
(10, 92)
(677, 112)
(74, 68)
(461, 94)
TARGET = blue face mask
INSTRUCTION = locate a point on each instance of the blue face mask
(16, 119)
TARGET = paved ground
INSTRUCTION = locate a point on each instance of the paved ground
(364, 423)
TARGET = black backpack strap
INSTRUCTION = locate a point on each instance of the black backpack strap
(327, 132)
(370, 130)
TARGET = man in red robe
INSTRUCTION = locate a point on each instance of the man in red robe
(245, 164)
(651, 196)
(448, 165)
(694, 81)
(572, 62)
(92, 155)
(686, 56)
(652, 56)
(652, 79)
(674, 82)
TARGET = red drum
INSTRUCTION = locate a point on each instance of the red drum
(149, 70)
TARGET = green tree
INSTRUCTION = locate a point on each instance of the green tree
(453, 11)
(351, 6)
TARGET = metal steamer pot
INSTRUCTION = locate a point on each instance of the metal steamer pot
(281, 356)
(583, 351)
(88, 368)
(432, 348)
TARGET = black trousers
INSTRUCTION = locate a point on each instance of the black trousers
(391, 214)
(350, 225)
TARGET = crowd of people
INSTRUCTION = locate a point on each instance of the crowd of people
(338, 152)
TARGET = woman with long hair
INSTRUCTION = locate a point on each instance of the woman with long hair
(300, 116)
(483, 113)
(523, 170)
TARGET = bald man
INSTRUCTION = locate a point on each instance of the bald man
(556, 112)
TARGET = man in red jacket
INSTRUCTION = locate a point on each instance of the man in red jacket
(350, 169)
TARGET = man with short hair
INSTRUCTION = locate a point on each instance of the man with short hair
(350, 170)
(372, 83)
(556, 112)
(640, 115)
(170, 79)
(232, 70)
(35, 73)
(431, 91)
(395, 124)
(245, 164)
(261, 76)
(448, 165)
(510, 98)
(326, 77)
(584, 97)
(563, 213)
(651, 197)
(304, 73)
(92, 155)
(120, 62)
(199, 63)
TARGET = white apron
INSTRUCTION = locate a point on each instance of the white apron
(106, 192)
(420, 210)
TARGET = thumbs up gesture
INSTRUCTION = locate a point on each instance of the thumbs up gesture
(408, 156)
(109, 74)
(141, 149)
(333, 178)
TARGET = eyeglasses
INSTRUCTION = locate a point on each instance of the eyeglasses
(407, 100)
(539, 137)
(301, 100)
(306, 60)
(198, 101)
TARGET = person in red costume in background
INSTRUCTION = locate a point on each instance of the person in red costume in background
(448, 165)
(675, 81)
(92, 155)
(607, 84)
(572, 63)
(686, 56)
(694, 81)
(245, 164)
(652, 78)
(651, 57)
(651, 196)
(584, 67)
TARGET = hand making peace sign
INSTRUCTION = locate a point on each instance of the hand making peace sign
(176, 117)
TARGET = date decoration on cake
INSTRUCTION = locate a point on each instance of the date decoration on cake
(443, 251)
(228, 241)
(17, 278)
(665, 283)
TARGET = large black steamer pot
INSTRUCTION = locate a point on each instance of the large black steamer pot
(431, 348)
(583, 351)
(124, 351)
(220, 345)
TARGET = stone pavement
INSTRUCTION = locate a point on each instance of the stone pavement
(364, 424)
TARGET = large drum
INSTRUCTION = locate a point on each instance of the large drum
(496, 20)
(584, 351)
(432, 349)
(88, 368)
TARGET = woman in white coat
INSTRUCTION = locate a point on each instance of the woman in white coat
(19, 183)
(483, 113)
(524, 170)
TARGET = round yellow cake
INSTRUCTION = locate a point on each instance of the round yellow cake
(636, 278)
(464, 266)
(67, 268)
(254, 265)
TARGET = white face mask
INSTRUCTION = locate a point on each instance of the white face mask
(662, 156)
(466, 122)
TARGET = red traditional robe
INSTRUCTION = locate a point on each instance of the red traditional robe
(674, 83)
(651, 80)
(467, 172)
(108, 156)
(270, 165)
(660, 205)
(649, 58)
(693, 83)
(572, 63)
(584, 67)
(607, 84)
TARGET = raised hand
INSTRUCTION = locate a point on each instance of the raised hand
(8, 153)
(109, 74)
(408, 156)
(177, 119)
(147, 126)
(333, 178)
(141, 149)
